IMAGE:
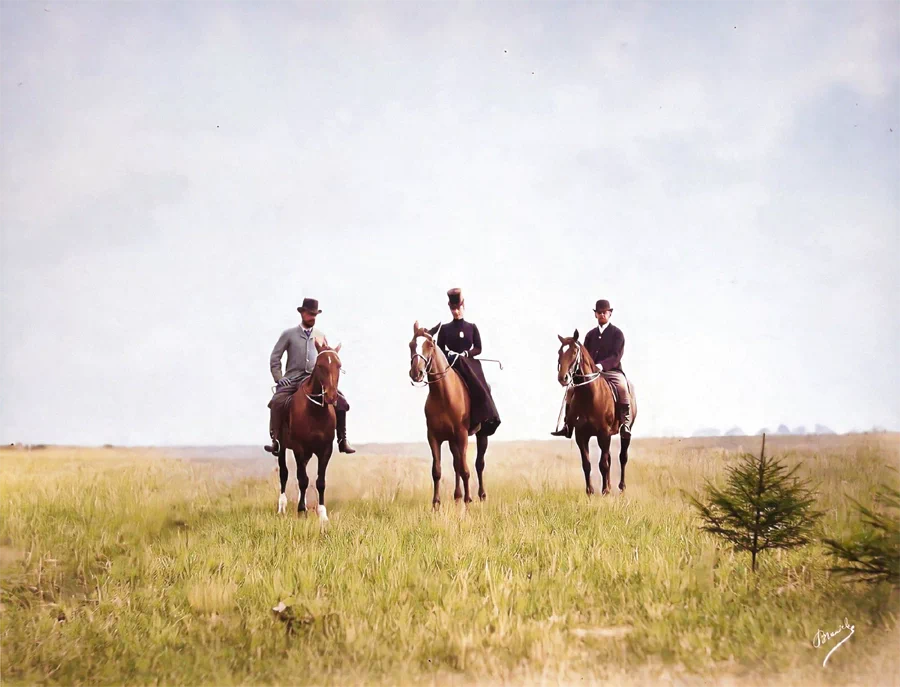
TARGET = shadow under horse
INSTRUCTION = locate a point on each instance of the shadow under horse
(592, 410)
(447, 412)
(310, 427)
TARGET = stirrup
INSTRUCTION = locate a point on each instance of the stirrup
(564, 432)
(274, 448)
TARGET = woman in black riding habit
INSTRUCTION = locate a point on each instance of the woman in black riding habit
(461, 343)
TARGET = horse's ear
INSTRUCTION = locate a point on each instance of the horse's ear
(338, 349)
(416, 328)
(561, 340)
(575, 335)
(319, 345)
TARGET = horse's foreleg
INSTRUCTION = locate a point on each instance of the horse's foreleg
(302, 480)
(461, 465)
(625, 438)
(435, 470)
(584, 448)
(605, 461)
(283, 476)
(481, 443)
(321, 511)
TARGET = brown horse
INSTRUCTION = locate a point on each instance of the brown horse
(446, 415)
(310, 427)
(592, 409)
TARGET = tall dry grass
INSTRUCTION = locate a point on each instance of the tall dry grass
(124, 567)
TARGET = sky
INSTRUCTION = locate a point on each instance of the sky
(177, 177)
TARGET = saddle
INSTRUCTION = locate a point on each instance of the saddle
(342, 403)
(613, 389)
(296, 382)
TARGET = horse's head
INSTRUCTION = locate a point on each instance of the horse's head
(570, 358)
(327, 372)
(418, 362)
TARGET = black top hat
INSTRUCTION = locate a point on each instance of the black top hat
(602, 305)
(310, 305)
(455, 297)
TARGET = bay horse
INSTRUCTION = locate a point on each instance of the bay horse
(447, 409)
(592, 410)
(311, 423)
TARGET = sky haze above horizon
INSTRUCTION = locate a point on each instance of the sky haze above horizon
(177, 177)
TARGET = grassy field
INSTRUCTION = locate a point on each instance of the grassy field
(124, 567)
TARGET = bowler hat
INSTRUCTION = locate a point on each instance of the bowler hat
(602, 305)
(455, 297)
(310, 305)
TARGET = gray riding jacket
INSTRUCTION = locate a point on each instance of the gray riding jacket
(301, 352)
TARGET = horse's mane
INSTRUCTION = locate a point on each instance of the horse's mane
(587, 362)
(436, 350)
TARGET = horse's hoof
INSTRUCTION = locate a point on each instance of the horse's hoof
(621, 487)
(282, 504)
(606, 492)
(589, 491)
(435, 505)
(322, 512)
(482, 497)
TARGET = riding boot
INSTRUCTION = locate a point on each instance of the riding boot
(623, 413)
(566, 430)
(343, 445)
(274, 426)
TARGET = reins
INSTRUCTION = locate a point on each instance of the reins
(428, 363)
(577, 371)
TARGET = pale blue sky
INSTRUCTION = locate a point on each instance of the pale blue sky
(177, 177)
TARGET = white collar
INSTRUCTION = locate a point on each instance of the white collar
(602, 328)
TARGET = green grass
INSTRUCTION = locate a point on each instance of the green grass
(166, 574)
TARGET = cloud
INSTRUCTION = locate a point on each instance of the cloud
(174, 179)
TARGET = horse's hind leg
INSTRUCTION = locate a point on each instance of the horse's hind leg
(283, 476)
(320, 483)
(481, 442)
(461, 466)
(625, 438)
(584, 448)
(302, 480)
(605, 461)
(435, 470)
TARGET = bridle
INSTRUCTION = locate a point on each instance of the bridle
(428, 363)
(575, 370)
(321, 394)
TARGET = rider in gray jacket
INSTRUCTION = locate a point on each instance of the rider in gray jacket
(300, 344)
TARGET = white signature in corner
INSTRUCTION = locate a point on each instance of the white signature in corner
(822, 637)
